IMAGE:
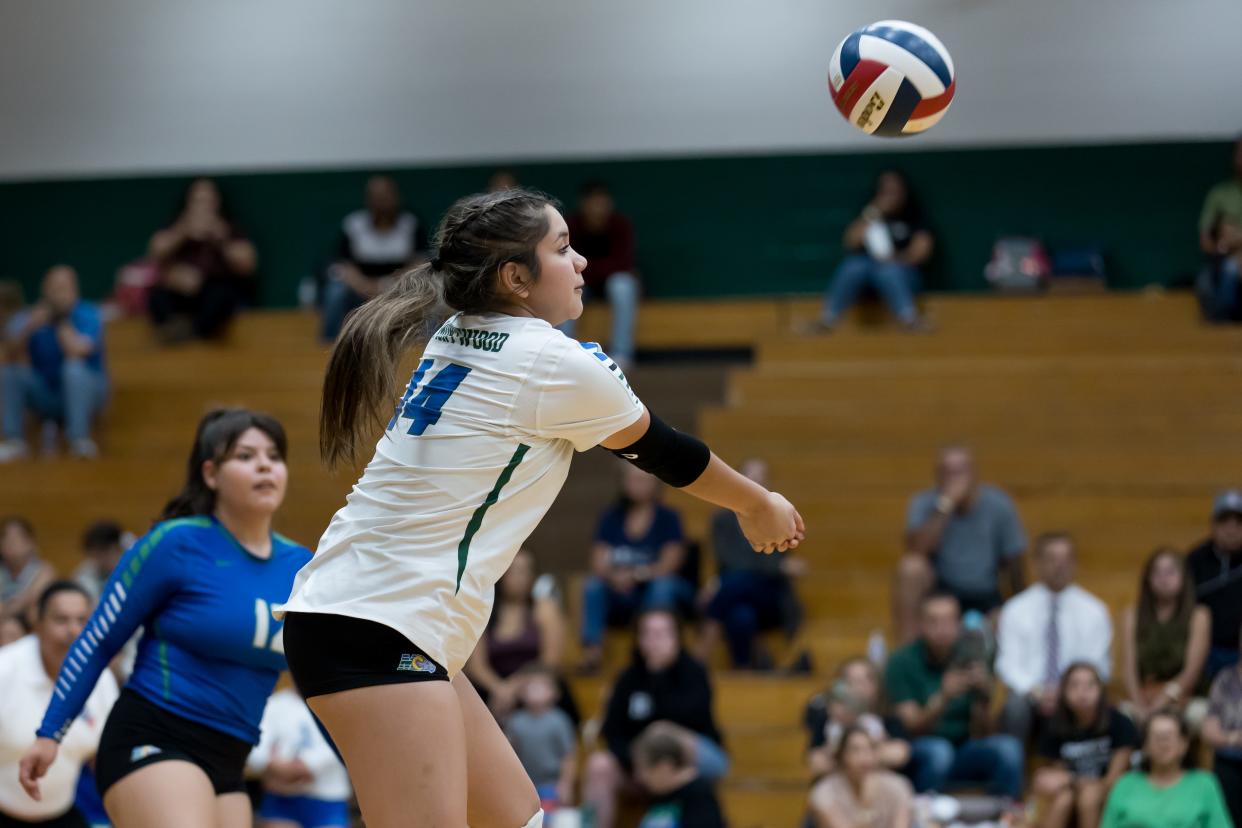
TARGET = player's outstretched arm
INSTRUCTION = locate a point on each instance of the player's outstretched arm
(769, 521)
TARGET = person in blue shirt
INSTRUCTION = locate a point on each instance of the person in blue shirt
(200, 584)
(639, 550)
(64, 381)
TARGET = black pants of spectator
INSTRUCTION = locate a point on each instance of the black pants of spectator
(1229, 772)
(748, 603)
(72, 819)
(209, 311)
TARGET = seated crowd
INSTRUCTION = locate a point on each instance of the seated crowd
(1005, 699)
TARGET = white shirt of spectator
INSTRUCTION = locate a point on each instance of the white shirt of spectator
(431, 508)
(289, 732)
(25, 690)
(1083, 624)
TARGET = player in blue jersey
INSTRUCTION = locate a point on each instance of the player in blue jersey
(200, 584)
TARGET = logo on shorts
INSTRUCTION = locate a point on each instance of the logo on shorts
(417, 663)
(142, 752)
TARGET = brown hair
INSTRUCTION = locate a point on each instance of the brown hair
(1146, 616)
(218, 432)
(1063, 722)
(477, 235)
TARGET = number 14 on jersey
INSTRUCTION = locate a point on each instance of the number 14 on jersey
(422, 402)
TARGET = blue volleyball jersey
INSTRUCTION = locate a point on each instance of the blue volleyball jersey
(210, 651)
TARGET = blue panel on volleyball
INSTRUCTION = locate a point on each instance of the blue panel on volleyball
(913, 44)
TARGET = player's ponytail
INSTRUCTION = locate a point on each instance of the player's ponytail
(477, 235)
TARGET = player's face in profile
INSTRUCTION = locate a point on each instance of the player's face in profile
(557, 295)
(253, 477)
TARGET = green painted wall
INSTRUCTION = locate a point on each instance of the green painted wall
(707, 226)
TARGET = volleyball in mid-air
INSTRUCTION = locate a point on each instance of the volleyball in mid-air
(892, 78)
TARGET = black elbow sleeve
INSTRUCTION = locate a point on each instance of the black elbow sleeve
(676, 458)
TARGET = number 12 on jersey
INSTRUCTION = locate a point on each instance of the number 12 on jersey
(422, 405)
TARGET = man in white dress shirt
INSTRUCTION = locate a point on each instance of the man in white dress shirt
(1044, 629)
(28, 667)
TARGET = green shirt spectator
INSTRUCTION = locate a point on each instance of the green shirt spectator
(912, 675)
(1194, 801)
(1223, 204)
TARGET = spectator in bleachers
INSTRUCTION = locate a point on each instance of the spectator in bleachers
(862, 791)
(885, 248)
(1220, 238)
(1088, 746)
(662, 684)
(680, 796)
(376, 244)
(755, 591)
(1222, 731)
(12, 627)
(1043, 630)
(638, 552)
(852, 701)
(305, 785)
(1216, 565)
(63, 380)
(1165, 640)
(1164, 793)
(103, 544)
(942, 700)
(28, 667)
(23, 574)
(606, 238)
(961, 536)
(543, 738)
(527, 628)
(206, 266)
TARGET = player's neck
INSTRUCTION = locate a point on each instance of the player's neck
(252, 530)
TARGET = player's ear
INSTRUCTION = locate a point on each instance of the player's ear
(210, 474)
(515, 280)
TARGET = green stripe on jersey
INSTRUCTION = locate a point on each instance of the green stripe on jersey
(153, 539)
(476, 520)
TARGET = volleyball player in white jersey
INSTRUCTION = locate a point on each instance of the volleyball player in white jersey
(383, 618)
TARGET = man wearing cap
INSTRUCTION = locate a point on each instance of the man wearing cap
(1216, 566)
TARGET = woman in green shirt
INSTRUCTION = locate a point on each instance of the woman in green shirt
(1164, 794)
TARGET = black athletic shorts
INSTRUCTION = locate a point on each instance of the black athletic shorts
(71, 819)
(139, 733)
(331, 653)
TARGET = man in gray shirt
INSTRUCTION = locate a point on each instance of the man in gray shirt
(961, 537)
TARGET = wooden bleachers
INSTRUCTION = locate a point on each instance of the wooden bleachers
(1113, 416)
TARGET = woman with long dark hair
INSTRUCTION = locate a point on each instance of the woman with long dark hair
(1086, 748)
(1165, 640)
(385, 615)
(201, 584)
(205, 268)
(861, 791)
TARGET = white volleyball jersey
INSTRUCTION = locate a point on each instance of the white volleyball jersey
(471, 461)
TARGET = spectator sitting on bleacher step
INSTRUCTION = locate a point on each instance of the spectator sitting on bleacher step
(942, 694)
(639, 550)
(681, 798)
(1216, 566)
(1043, 630)
(376, 245)
(961, 537)
(662, 685)
(862, 791)
(59, 372)
(23, 574)
(1219, 285)
(206, 268)
(754, 590)
(852, 700)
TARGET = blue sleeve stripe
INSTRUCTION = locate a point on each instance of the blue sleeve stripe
(114, 602)
(120, 590)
